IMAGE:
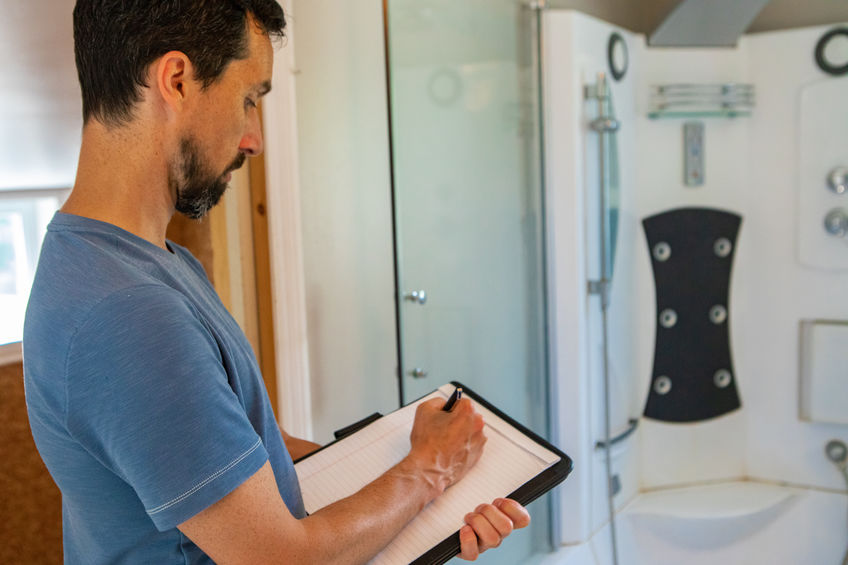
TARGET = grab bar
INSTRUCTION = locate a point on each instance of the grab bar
(632, 424)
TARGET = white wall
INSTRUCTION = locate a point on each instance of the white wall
(781, 446)
(346, 207)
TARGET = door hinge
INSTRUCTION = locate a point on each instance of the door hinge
(601, 288)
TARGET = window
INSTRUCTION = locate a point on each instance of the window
(24, 216)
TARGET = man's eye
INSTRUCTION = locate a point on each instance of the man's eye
(248, 103)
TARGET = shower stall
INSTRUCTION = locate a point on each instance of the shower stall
(538, 142)
(752, 484)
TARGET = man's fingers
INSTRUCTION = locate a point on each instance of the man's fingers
(468, 544)
(517, 513)
(487, 536)
(500, 521)
(489, 525)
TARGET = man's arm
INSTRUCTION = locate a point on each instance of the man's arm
(253, 525)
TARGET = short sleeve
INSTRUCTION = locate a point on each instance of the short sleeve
(148, 396)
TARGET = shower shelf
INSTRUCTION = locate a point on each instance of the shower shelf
(729, 100)
(666, 115)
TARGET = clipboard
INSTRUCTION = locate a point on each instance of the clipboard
(344, 451)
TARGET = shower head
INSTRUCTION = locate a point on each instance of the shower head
(837, 452)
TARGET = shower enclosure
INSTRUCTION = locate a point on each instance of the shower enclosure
(753, 485)
(505, 227)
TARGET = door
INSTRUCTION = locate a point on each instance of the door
(468, 206)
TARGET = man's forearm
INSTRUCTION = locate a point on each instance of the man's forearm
(361, 525)
(253, 525)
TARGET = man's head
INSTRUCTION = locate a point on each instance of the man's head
(115, 41)
(205, 63)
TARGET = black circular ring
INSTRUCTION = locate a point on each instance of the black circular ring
(820, 47)
(617, 74)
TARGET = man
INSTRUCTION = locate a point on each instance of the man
(144, 397)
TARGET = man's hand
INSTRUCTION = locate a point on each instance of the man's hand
(445, 445)
(489, 525)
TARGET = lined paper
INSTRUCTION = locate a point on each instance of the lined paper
(509, 460)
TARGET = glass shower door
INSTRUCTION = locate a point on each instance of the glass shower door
(468, 209)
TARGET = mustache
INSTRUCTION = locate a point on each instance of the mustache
(236, 164)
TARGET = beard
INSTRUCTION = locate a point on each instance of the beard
(198, 188)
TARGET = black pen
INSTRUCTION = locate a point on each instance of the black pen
(454, 398)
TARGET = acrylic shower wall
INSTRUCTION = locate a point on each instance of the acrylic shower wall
(752, 170)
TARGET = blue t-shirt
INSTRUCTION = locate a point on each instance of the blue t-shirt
(144, 397)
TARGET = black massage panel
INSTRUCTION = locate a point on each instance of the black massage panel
(692, 252)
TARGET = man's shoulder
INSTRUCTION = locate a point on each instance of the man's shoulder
(76, 271)
(86, 275)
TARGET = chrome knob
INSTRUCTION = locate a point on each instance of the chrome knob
(837, 180)
(418, 373)
(418, 296)
(605, 124)
(836, 222)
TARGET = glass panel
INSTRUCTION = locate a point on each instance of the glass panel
(469, 214)
(23, 220)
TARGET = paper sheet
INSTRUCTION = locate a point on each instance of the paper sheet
(509, 460)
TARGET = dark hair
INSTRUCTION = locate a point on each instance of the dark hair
(115, 41)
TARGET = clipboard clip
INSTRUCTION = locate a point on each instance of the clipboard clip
(356, 426)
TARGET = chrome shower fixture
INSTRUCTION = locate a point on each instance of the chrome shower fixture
(837, 180)
(604, 124)
(599, 91)
(836, 222)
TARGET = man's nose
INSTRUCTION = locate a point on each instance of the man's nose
(251, 143)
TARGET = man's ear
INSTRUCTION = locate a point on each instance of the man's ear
(173, 79)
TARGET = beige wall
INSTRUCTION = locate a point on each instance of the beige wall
(643, 16)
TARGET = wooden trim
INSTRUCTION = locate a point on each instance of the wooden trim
(285, 246)
(11, 353)
(233, 265)
(220, 275)
(264, 305)
(244, 273)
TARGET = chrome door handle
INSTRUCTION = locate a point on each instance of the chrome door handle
(418, 296)
(418, 373)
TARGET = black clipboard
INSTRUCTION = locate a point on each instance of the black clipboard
(525, 494)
